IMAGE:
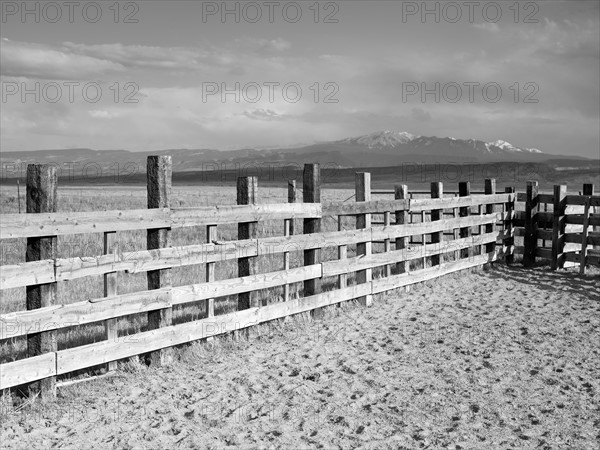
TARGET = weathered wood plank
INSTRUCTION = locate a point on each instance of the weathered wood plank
(395, 281)
(417, 205)
(27, 370)
(364, 207)
(577, 238)
(332, 268)
(232, 286)
(146, 260)
(49, 224)
(79, 313)
(578, 219)
(216, 215)
(580, 200)
(102, 352)
(35, 272)
(545, 253)
(27, 273)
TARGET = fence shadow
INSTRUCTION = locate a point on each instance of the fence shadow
(545, 279)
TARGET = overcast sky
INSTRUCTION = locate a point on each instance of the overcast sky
(548, 58)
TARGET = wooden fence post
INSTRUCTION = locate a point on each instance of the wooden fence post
(387, 244)
(437, 191)
(211, 237)
(490, 189)
(159, 175)
(292, 199)
(288, 230)
(363, 194)
(342, 254)
(584, 235)
(509, 232)
(531, 209)
(110, 289)
(588, 189)
(41, 188)
(401, 193)
(464, 190)
(558, 227)
(456, 232)
(246, 195)
(311, 193)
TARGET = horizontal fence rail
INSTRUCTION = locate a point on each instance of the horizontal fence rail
(454, 233)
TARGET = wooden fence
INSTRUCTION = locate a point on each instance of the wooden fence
(453, 233)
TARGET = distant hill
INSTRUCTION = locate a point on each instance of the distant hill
(378, 149)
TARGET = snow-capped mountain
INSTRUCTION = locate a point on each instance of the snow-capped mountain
(379, 149)
(381, 139)
(402, 142)
(508, 147)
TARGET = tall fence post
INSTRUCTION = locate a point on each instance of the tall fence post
(41, 193)
(288, 230)
(363, 194)
(401, 193)
(437, 191)
(531, 209)
(111, 281)
(464, 190)
(363, 221)
(588, 189)
(246, 195)
(456, 232)
(387, 243)
(490, 189)
(509, 232)
(311, 193)
(159, 172)
(584, 234)
(558, 227)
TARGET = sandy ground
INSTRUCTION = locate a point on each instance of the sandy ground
(501, 359)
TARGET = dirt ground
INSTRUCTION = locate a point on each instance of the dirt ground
(497, 359)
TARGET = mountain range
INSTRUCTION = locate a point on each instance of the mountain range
(378, 149)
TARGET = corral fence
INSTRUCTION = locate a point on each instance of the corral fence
(418, 239)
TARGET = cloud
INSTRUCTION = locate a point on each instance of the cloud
(487, 26)
(269, 45)
(102, 114)
(28, 60)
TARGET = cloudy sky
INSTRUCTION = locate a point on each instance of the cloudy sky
(157, 83)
